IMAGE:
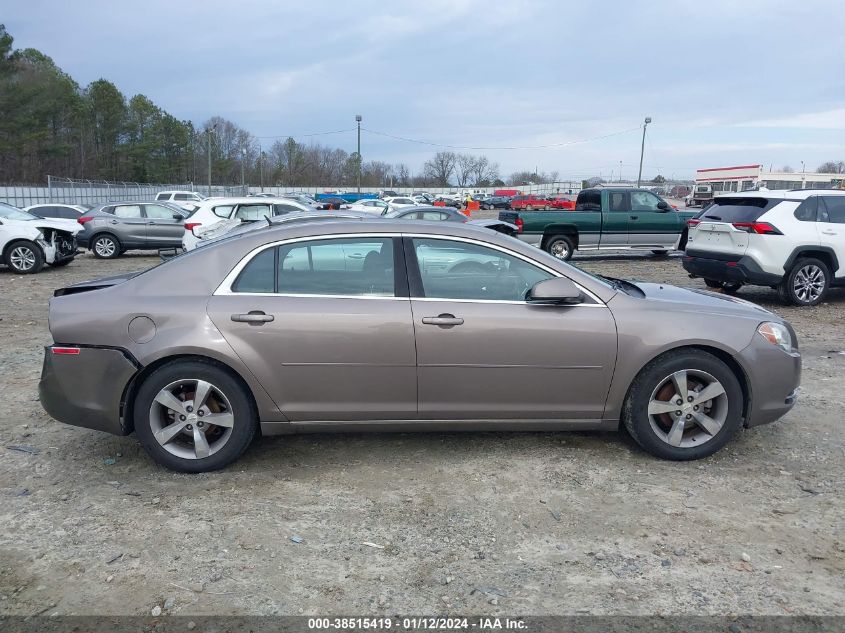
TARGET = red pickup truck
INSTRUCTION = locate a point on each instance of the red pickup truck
(530, 203)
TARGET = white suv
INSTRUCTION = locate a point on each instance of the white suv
(185, 199)
(234, 211)
(793, 241)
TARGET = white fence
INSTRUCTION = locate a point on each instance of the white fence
(72, 191)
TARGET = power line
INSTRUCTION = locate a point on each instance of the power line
(548, 146)
(352, 129)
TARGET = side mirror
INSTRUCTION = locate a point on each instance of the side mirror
(555, 291)
(662, 206)
(178, 216)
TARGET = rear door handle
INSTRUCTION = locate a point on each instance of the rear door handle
(443, 320)
(255, 317)
(829, 232)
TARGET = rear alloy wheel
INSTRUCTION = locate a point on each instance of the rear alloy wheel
(193, 416)
(24, 258)
(684, 405)
(806, 284)
(561, 247)
(105, 247)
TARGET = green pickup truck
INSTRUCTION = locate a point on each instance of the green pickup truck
(605, 219)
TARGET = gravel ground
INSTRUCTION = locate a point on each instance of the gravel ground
(438, 523)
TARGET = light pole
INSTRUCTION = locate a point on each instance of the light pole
(358, 121)
(243, 179)
(803, 176)
(210, 130)
(642, 151)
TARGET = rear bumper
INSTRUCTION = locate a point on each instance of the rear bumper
(743, 269)
(773, 381)
(87, 389)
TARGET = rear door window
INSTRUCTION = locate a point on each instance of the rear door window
(223, 211)
(259, 274)
(617, 201)
(128, 211)
(735, 209)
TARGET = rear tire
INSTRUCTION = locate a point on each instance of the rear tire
(682, 437)
(178, 450)
(24, 257)
(105, 246)
(806, 284)
(561, 247)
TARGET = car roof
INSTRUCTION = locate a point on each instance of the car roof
(781, 194)
(246, 200)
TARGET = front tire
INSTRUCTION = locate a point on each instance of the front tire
(194, 416)
(561, 247)
(24, 257)
(105, 246)
(685, 404)
(806, 284)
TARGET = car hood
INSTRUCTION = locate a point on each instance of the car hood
(702, 301)
(70, 226)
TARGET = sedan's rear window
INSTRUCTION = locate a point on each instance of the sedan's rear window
(734, 209)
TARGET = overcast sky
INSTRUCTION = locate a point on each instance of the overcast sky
(725, 82)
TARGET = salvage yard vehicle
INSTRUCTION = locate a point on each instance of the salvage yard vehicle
(59, 211)
(111, 229)
(448, 214)
(374, 324)
(27, 242)
(530, 203)
(185, 199)
(792, 241)
(605, 219)
(700, 196)
(220, 215)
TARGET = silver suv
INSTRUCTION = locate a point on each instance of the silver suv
(114, 228)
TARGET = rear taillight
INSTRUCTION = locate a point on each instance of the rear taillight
(520, 224)
(84, 219)
(693, 222)
(189, 226)
(760, 228)
(65, 351)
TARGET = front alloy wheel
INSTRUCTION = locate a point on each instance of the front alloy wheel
(685, 404)
(24, 258)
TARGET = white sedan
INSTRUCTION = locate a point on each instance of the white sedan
(397, 203)
(374, 206)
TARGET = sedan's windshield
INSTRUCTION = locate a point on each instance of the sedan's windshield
(8, 212)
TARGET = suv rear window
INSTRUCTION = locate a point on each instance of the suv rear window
(163, 196)
(732, 209)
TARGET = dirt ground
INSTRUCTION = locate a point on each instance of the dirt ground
(440, 523)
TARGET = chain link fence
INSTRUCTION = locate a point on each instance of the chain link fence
(77, 191)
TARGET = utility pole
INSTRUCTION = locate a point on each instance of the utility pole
(642, 151)
(243, 180)
(358, 121)
(210, 130)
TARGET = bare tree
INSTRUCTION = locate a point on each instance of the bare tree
(484, 172)
(465, 168)
(403, 175)
(441, 168)
(786, 169)
(832, 167)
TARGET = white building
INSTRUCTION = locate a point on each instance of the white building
(745, 177)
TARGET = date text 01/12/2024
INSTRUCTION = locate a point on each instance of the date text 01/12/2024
(417, 624)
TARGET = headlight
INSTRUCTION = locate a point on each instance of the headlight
(776, 334)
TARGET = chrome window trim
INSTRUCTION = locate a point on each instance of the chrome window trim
(225, 287)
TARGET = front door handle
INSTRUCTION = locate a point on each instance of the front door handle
(255, 317)
(114, 221)
(443, 320)
(635, 217)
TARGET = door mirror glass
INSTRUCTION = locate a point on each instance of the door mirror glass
(662, 206)
(558, 290)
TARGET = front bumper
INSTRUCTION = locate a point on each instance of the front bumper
(743, 269)
(774, 377)
(87, 388)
